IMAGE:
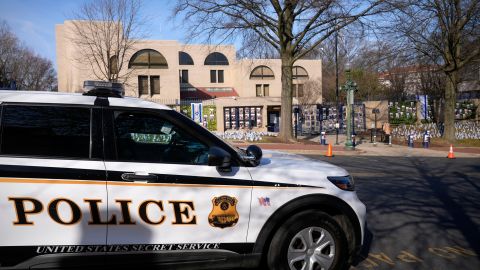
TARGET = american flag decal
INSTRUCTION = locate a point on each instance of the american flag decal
(264, 201)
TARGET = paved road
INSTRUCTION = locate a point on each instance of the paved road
(423, 213)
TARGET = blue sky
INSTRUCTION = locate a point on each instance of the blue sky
(33, 21)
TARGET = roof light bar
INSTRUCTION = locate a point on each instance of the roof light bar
(103, 89)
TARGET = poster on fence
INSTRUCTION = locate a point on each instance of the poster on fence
(197, 112)
(423, 99)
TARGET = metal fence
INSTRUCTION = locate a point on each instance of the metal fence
(322, 117)
(466, 129)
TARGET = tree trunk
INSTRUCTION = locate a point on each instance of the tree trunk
(449, 110)
(438, 105)
(286, 111)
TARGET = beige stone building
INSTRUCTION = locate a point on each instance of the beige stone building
(236, 93)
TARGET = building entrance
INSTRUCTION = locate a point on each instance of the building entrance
(273, 114)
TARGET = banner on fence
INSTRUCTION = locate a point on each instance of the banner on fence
(423, 99)
(197, 112)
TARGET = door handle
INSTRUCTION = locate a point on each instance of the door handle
(141, 177)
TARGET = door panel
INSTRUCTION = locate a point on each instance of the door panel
(42, 205)
(168, 194)
(38, 201)
(176, 207)
(50, 190)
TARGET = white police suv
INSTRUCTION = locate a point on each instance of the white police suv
(99, 180)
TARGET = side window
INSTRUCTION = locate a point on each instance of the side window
(144, 137)
(46, 131)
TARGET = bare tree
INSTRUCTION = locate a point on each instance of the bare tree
(396, 87)
(105, 33)
(20, 65)
(311, 93)
(33, 72)
(326, 52)
(368, 58)
(291, 28)
(432, 82)
(329, 84)
(369, 87)
(448, 32)
(9, 47)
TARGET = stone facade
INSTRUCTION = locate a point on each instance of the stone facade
(210, 78)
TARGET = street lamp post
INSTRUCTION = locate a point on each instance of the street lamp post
(350, 88)
(337, 124)
(375, 112)
(296, 111)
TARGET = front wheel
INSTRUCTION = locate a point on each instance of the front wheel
(310, 240)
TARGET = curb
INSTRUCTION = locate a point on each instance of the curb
(369, 150)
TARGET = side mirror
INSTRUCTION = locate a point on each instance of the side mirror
(219, 158)
(255, 152)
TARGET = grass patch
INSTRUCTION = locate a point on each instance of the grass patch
(464, 143)
(469, 142)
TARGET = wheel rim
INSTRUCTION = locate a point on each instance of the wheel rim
(312, 248)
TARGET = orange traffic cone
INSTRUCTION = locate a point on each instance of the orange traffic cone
(450, 153)
(329, 151)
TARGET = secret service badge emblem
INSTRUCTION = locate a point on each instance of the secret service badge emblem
(224, 212)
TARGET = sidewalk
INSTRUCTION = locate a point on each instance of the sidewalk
(365, 148)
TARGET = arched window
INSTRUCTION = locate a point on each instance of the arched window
(216, 58)
(262, 73)
(184, 59)
(299, 73)
(147, 58)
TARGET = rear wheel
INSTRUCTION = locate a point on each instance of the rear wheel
(310, 240)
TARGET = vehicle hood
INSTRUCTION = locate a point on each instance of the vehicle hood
(281, 167)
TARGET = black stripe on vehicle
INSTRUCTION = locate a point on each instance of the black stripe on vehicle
(202, 180)
(13, 255)
(18, 171)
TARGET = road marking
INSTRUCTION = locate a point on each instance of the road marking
(373, 260)
(382, 257)
(442, 253)
(408, 257)
(461, 251)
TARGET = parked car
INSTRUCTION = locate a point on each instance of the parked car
(101, 180)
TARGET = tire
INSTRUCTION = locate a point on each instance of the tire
(326, 248)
